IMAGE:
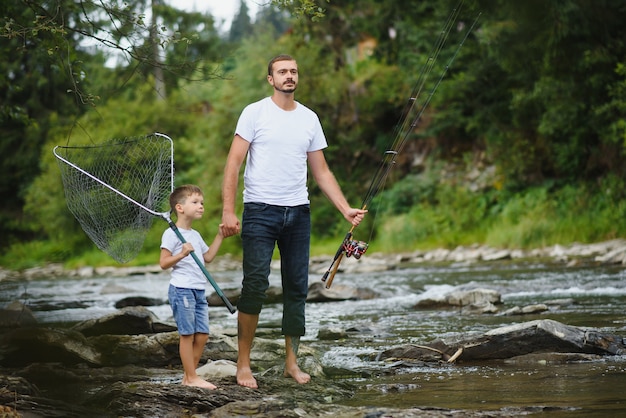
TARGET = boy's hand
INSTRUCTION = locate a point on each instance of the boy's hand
(187, 249)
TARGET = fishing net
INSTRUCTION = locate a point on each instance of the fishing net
(115, 188)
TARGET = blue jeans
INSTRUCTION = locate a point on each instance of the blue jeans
(264, 226)
(190, 310)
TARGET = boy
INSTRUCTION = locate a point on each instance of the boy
(187, 284)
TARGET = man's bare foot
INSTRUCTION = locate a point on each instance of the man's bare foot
(298, 375)
(245, 378)
(199, 383)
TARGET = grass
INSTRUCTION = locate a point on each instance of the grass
(451, 216)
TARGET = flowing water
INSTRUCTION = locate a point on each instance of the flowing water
(595, 388)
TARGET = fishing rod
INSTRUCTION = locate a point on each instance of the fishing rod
(350, 247)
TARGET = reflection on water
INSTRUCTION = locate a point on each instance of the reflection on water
(581, 389)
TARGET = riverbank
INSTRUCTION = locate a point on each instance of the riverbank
(605, 252)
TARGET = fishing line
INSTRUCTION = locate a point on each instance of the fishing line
(404, 129)
(408, 124)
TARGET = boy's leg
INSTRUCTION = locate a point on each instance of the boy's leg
(188, 348)
(199, 342)
(185, 307)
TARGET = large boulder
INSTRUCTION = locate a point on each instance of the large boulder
(539, 336)
(16, 314)
(338, 292)
(132, 320)
(24, 346)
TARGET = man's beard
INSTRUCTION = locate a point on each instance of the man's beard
(286, 90)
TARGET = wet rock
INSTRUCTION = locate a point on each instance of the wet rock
(16, 314)
(615, 256)
(496, 255)
(222, 346)
(231, 294)
(124, 271)
(527, 310)
(156, 350)
(331, 334)
(337, 292)
(276, 397)
(274, 294)
(19, 398)
(429, 303)
(413, 352)
(480, 308)
(560, 302)
(138, 301)
(533, 337)
(149, 399)
(127, 321)
(473, 301)
(371, 262)
(57, 306)
(461, 297)
(18, 385)
(40, 272)
(217, 369)
(23, 346)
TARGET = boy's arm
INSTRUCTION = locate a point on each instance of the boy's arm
(215, 245)
(168, 260)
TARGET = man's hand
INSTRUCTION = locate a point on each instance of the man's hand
(230, 225)
(355, 216)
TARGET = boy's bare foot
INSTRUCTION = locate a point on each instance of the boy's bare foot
(199, 383)
(245, 378)
(298, 375)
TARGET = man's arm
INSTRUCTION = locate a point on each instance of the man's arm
(238, 150)
(328, 184)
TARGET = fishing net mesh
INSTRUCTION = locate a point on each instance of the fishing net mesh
(139, 168)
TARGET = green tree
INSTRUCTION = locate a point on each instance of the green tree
(241, 25)
(540, 91)
(53, 70)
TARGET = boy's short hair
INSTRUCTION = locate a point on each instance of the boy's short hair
(181, 193)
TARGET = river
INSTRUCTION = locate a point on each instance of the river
(595, 388)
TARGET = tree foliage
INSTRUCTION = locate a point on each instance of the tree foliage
(538, 91)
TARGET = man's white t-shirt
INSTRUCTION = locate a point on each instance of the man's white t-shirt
(186, 273)
(276, 165)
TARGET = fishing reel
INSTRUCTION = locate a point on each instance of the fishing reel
(354, 248)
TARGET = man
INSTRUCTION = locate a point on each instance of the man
(278, 135)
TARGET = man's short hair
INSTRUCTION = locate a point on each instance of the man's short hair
(281, 57)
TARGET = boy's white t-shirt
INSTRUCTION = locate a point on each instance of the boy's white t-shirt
(186, 273)
(276, 165)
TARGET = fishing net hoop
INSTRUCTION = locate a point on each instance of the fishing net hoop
(116, 188)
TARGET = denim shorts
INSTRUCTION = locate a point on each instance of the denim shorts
(263, 227)
(190, 309)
